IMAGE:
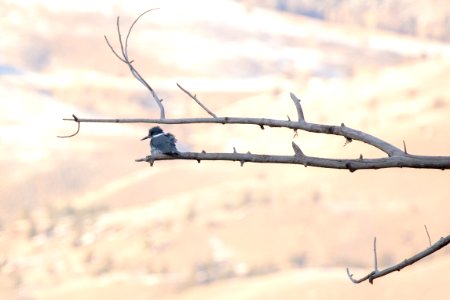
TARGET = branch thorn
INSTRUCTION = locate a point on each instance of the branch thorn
(298, 152)
(348, 141)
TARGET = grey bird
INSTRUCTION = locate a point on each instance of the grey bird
(161, 142)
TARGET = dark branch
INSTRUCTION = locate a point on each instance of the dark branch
(424, 162)
(76, 132)
(407, 262)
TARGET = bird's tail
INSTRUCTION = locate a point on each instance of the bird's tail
(173, 153)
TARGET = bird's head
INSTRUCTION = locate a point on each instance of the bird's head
(152, 132)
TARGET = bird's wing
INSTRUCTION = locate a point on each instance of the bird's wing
(165, 143)
(171, 138)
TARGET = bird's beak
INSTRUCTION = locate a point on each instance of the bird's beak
(145, 138)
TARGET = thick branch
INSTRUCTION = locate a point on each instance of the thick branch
(407, 262)
(410, 161)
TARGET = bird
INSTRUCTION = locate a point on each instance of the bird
(161, 142)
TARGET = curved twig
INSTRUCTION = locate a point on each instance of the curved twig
(131, 28)
(76, 132)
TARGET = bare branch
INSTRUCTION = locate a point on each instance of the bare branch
(424, 162)
(444, 241)
(131, 28)
(389, 149)
(198, 101)
(76, 132)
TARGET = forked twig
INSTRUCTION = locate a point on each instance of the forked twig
(125, 59)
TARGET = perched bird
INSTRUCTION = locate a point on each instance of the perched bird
(160, 142)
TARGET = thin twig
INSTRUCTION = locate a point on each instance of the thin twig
(429, 238)
(119, 35)
(375, 254)
(76, 132)
(198, 101)
(298, 106)
(114, 51)
(131, 28)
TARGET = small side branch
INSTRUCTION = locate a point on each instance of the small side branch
(407, 262)
(194, 97)
(298, 107)
(428, 234)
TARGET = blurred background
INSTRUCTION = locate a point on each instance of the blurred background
(80, 219)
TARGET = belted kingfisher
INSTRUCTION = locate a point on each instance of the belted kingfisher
(160, 142)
